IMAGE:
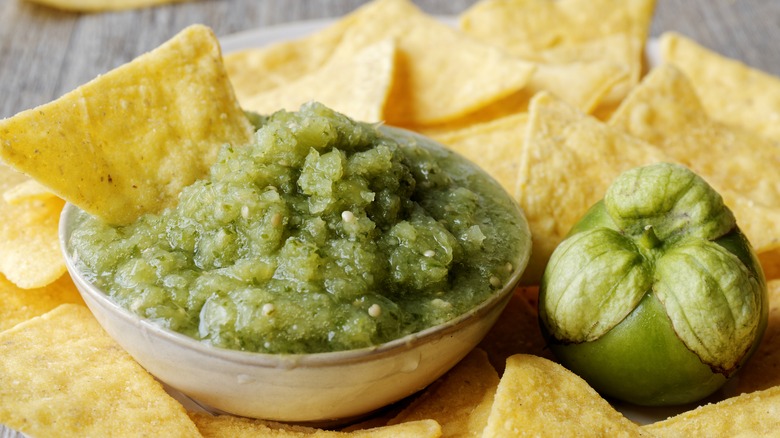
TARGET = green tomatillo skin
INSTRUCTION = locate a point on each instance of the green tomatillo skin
(655, 297)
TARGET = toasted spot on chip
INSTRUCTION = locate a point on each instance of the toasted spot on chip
(732, 92)
(538, 397)
(62, 375)
(18, 305)
(30, 255)
(460, 400)
(753, 414)
(126, 143)
(240, 427)
(357, 86)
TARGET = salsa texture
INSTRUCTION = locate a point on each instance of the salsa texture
(323, 234)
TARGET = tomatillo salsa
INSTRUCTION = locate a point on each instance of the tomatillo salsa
(323, 234)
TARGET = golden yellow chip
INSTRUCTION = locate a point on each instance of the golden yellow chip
(128, 141)
(538, 397)
(62, 375)
(18, 305)
(260, 69)
(567, 31)
(460, 400)
(100, 5)
(664, 110)
(494, 146)
(28, 190)
(762, 371)
(582, 84)
(532, 26)
(755, 414)
(239, 427)
(356, 86)
(30, 255)
(516, 331)
(429, 52)
(731, 92)
(569, 160)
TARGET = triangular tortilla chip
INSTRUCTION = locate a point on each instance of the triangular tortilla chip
(127, 142)
(567, 31)
(664, 110)
(240, 427)
(18, 305)
(755, 414)
(731, 92)
(258, 69)
(30, 254)
(569, 160)
(356, 86)
(538, 397)
(431, 84)
(460, 400)
(494, 146)
(27, 190)
(62, 375)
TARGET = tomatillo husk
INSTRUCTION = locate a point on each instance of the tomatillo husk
(655, 297)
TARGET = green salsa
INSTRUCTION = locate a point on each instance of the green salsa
(323, 234)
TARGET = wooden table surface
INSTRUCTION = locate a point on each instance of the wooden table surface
(45, 53)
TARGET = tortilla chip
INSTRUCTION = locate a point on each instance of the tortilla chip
(428, 52)
(567, 31)
(100, 5)
(582, 84)
(18, 305)
(730, 91)
(532, 26)
(239, 427)
(538, 397)
(149, 128)
(29, 190)
(569, 160)
(621, 50)
(762, 371)
(665, 111)
(62, 375)
(460, 400)
(356, 86)
(30, 255)
(494, 146)
(748, 415)
(516, 331)
(260, 69)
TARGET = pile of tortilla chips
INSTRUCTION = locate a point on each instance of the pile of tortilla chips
(552, 97)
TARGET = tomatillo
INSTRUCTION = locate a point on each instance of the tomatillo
(655, 297)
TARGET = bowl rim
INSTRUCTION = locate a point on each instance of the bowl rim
(270, 360)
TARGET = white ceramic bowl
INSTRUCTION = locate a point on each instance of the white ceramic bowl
(317, 387)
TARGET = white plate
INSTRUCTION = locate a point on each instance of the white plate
(273, 34)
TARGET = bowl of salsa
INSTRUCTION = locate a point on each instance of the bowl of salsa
(325, 270)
